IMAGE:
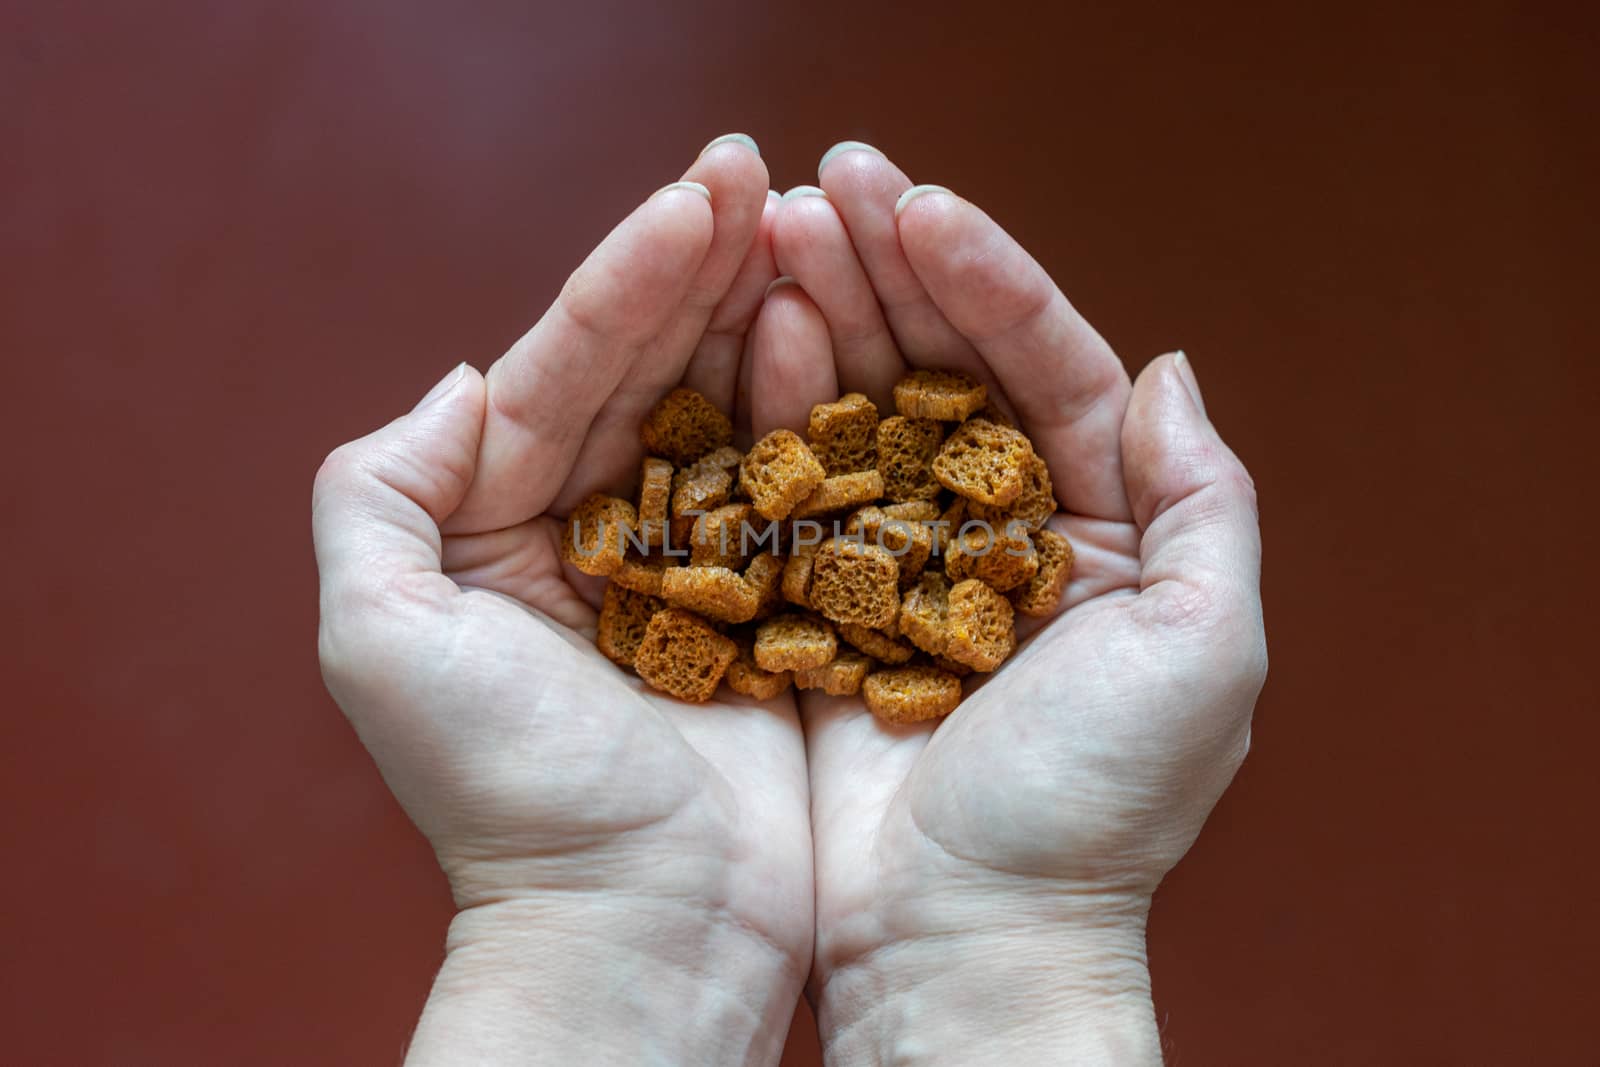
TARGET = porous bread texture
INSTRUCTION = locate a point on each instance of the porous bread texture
(683, 426)
(906, 451)
(1042, 593)
(981, 626)
(594, 538)
(876, 643)
(655, 498)
(909, 541)
(840, 491)
(984, 462)
(718, 538)
(1033, 505)
(797, 580)
(747, 677)
(764, 577)
(680, 654)
(948, 396)
(1004, 559)
(853, 582)
(778, 473)
(642, 574)
(924, 613)
(715, 592)
(624, 615)
(839, 677)
(794, 642)
(911, 694)
(700, 487)
(844, 435)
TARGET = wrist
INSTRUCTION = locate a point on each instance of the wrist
(1035, 993)
(613, 980)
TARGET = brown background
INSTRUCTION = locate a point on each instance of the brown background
(237, 234)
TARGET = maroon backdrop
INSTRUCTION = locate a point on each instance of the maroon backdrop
(237, 234)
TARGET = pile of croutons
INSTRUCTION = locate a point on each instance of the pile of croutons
(880, 557)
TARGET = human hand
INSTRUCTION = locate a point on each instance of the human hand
(633, 874)
(982, 887)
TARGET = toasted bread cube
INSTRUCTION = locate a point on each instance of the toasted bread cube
(780, 472)
(906, 450)
(715, 592)
(990, 413)
(1035, 504)
(794, 642)
(840, 492)
(876, 643)
(948, 396)
(718, 538)
(595, 538)
(700, 487)
(947, 525)
(924, 613)
(913, 511)
(981, 626)
(683, 426)
(624, 615)
(727, 457)
(984, 462)
(844, 435)
(642, 574)
(764, 576)
(910, 542)
(746, 676)
(655, 498)
(1004, 559)
(853, 582)
(911, 694)
(840, 677)
(682, 655)
(797, 580)
(1042, 593)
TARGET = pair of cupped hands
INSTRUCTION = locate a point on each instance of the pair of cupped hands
(642, 881)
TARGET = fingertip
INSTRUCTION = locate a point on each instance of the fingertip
(918, 192)
(843, 147)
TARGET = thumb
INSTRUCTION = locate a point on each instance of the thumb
(1200, 553)
(378, 502)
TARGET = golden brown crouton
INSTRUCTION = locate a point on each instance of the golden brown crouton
(906, 450)
(984, 462)
(911, 694)
(715, 592)
(642, 574)
(980, 622)
(841, 676)
(1042, 594)
(948, 396)
(779, 472)
(1003, 558)
(624, 615)
(683, 426)
(595, 538)
(747, 677)
(793, 642)
(682, 655)
(876, 643)
(852, 582)
(924, 613)
(844, 434)
(1035, 504)
(839, 492)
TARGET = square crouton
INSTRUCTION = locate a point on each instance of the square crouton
(1035, 504)
(718, 538)
(909, 541)
(683, 426)
(854, 582)
(794, 642)
(984, 462)
(655, 498)
(642, 574)
(1004, 559)
(747, 677)
(981, 626)
(844, 435)
(624, 615)
(778, 473)
(700, 487)
(924, 613)
(797, 580)
(682, 655)
(715, 592)
(595, 537)
(842, 676)
(1042, 594)
(764, 577)
(876, 643)
(911, 694)
(906, 451)
(948, 396)
(840, 492)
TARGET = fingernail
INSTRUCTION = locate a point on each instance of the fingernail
(1180, 362)
(776, 282)
(447, 383)
(804, 190)
(914, 192)
(840, 149)
(733, 138)
(696, 186)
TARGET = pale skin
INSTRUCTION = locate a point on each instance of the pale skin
(644, 881)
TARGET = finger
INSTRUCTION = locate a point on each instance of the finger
(863, 186)
(546, 390)
(378, 503)
(1200, 553)
(791, 363)
(1069, 388)
(737, 179)
(811, 246)
(715, 366)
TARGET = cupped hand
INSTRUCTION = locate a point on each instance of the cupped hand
(592, 831)
(983, 882)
